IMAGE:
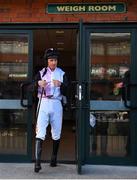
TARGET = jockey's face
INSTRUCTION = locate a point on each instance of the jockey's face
(52, 63)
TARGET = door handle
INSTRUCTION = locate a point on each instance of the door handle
(77, 87)
(22, 95)
(73, 94)
(79, 92)
(126, 95)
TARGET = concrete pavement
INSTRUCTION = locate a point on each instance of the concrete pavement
(65, 171)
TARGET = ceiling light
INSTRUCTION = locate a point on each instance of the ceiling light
(59, 32)
(60, 49)
(60, 43)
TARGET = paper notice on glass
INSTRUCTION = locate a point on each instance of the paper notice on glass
(92, 120)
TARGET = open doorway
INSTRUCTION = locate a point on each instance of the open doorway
(65, 41)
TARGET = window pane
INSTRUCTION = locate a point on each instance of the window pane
(13, 64)
(111, 134)
(13, 71)
(109, 70)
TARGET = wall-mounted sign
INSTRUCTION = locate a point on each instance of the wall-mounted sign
(67, 8)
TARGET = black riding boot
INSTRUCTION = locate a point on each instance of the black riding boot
(38, 150)
(53, 162)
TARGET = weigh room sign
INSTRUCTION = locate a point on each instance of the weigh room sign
(67, 8)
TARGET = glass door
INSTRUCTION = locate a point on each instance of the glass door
(15, 68)
(112, 98)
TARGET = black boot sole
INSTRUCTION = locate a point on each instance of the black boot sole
(53, 162)
(53, 165)
(37, 169)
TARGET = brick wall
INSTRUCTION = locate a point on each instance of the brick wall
(34, 11)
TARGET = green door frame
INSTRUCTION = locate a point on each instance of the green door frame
(27, 157)
(79, 100)
(83, 153)
(101, 28)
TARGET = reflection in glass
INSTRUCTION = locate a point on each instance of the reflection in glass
(13, 71)
(110, 59)
(13, 44)
(111, 134)
(13, 64)
(13, 131)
